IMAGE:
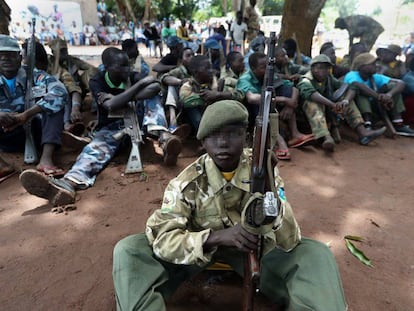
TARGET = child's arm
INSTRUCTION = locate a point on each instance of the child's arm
(145, 88)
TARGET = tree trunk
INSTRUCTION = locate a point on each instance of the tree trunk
(300, 18)
(5, 20)
(147, 10)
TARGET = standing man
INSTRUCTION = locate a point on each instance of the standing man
(363, 27)
(238, 32)
(251, 18)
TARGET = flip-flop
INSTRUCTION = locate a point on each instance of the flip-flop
(283, 154)
(49, 170)
(8, 175)
(301, 141)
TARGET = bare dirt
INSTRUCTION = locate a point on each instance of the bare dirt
(63, 261)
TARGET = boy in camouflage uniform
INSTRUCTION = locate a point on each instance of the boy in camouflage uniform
(316, 89)
(285, 68)
(200, 222)
(112, 91)
(229, 77)
(46, 115)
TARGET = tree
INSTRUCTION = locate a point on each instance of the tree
(299, 19)
(272, 7)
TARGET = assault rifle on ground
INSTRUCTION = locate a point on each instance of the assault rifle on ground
(262, 208)
(30, 152)
(132, 129)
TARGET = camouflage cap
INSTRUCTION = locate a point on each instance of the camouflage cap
(321, 58)
(363, 59)
(221, 113)
(9, 44)
(57, 44)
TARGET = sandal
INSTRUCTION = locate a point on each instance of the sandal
(283, 154)
(302, 140)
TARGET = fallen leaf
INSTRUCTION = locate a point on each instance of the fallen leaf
(358, 253)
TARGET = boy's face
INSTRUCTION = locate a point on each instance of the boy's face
(331, 54)
(320, 71)
(187, 56)
(205, 72)
(368, 70)
(238, 64)
(260, 70)
(281, 58)
(9, 63)
(119, 69)
(225, 146)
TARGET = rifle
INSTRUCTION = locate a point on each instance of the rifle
(132, 129)
(30, 152)
(262, 207)
(171, 103)
(384, 115)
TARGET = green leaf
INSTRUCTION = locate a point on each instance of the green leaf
(358, 253)
(354, 238)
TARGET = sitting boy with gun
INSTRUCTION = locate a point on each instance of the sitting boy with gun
(201, 221)
(316, 89)
(29, 98)
(113, 92)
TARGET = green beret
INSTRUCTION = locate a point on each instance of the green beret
(321, 58)
(363, 59)
(222, 113)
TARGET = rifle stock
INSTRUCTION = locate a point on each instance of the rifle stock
(132, 129)
(261, 145)
(30, 152)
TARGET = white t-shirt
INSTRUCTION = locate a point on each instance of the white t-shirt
(238, 32)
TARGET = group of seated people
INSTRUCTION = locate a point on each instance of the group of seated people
(310, 102)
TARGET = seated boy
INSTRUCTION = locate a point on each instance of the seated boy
(377, 89)
(202, 78)
(45, 116)
(316, 90)
(200, 222)
(285, 68)
(112, 91)
(251, 83)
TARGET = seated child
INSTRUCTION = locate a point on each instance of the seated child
(201, 221)
(316, 90)
(286, 100)
(112, 91)
(377, 89)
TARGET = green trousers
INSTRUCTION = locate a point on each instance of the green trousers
(306, 278)
(316, 114)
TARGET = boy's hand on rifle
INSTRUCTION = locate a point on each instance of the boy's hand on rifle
(235, 236)
(386, 101)
(339, 107)
(7, 119)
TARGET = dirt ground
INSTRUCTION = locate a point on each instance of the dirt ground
(63, 261)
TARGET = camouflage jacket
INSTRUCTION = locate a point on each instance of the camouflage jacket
(65, 77)
(199, 201)
(308, 85)
(49, 93)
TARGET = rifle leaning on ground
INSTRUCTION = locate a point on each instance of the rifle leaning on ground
(30, 152)
(384, 114)
(132, 129)
(262, 207)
